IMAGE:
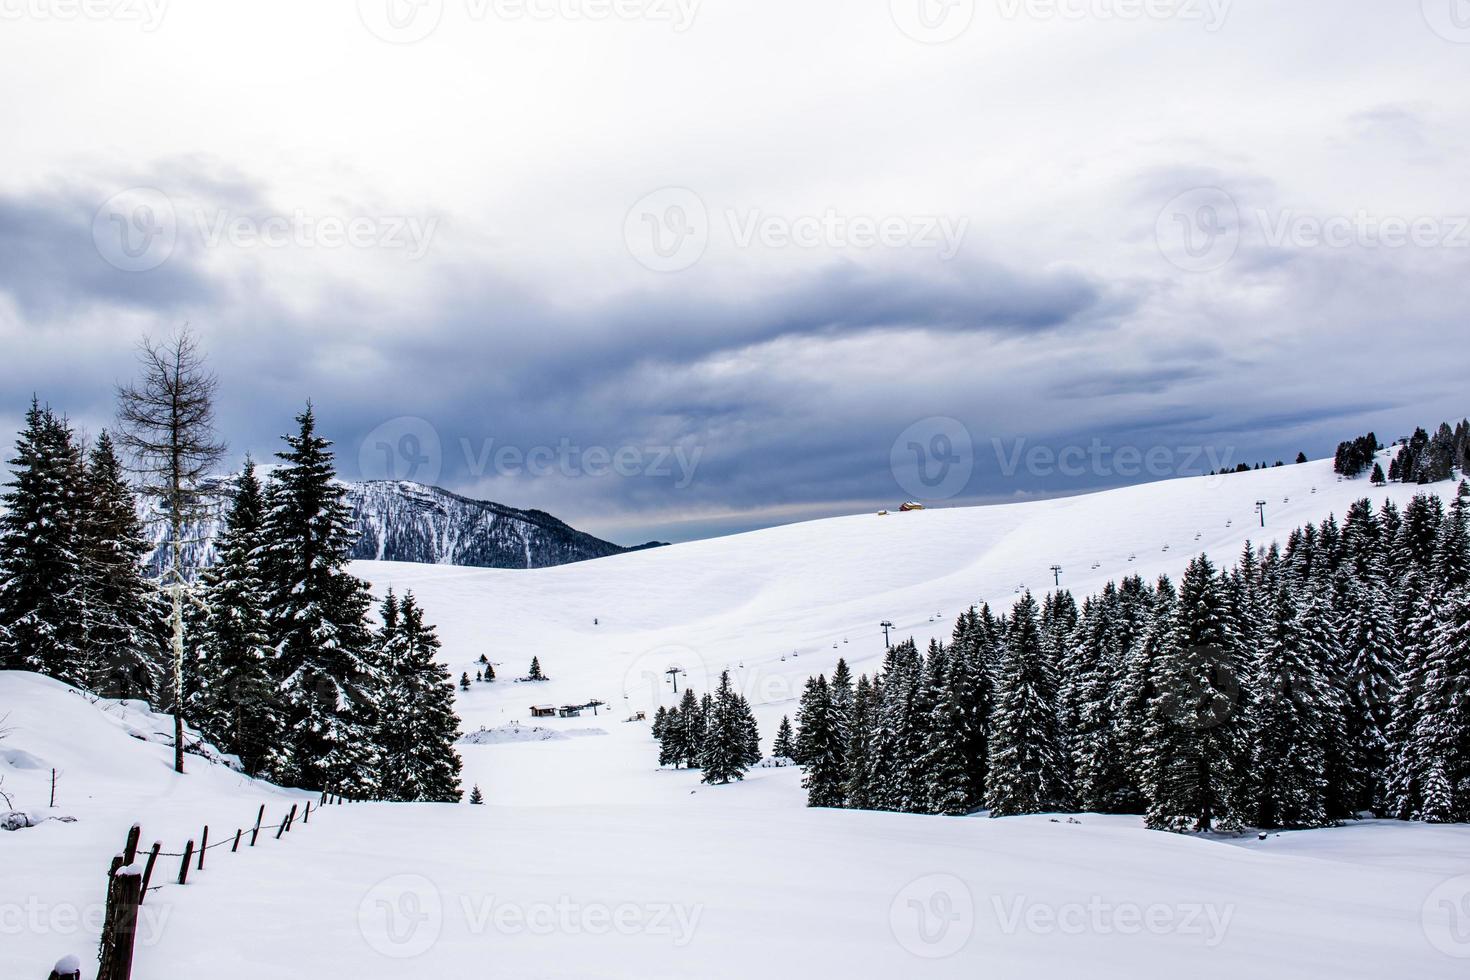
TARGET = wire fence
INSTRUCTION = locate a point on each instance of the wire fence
(128, 885)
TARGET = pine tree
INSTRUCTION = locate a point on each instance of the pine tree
(670, 737)
(750, 736)
(489, 673)
(1027, 769)
(41, 592)
(1434, 757)
(418, 727)
(725, 744)
(1196, 745)
(823, 773)
(476, 797)
(464, 681)
(895, 778)
(785, 746)
(317, 614)
(535, 674)
(237, 704)
(122, 613)
(861, 727)
(690, 733)
(1289, 725)
(1371, 683)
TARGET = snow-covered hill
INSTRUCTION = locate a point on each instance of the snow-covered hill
(779, 605)
(659, 879)
(582, 833)
(411, 522)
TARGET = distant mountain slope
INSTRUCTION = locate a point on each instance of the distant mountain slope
(411, 522)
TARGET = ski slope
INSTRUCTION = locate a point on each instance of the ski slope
(779, 605)
(591, 862)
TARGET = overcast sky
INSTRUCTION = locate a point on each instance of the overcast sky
(669, 268)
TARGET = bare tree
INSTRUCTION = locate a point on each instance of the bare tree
(167, 426)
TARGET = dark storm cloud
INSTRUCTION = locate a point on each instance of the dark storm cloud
(49, 262)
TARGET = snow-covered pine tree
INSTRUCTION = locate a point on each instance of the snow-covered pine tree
(725, 748)
(1090, 695)
(41, 589)
(1195, 744)
(749, 731)
(1371, 683)
(1437, 746)
(1140, 687)
(1289, 720)
(861, 740)
(948, 771)
(785, 744)
(476, 797)
(317, 615)
(690, 732)
(122, 613)
(823, 775)
(237, 704)
(671, 739)
(535, 673)
(1027, 771)
(418, 724)
(898, 741)
(660, 719)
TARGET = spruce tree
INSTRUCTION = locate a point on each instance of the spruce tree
(535, 674)
(1027, 769)
(122, 613)
(725, 757)
(823, 777)
(237, 704)
(861, 727)
(419, 726)
(476, 797)
(41, 591)
(1371, 684)
(785, 746)
(1196, 746)
(317, 615)
(1289, 724)
(690, 732)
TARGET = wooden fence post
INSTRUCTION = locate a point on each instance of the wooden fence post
(184, 865)
(130, 849)
(123, 924)
(306, 817)
(203, 846)
(236, 846)
(258, 818)
(148, 870)
(286, 823)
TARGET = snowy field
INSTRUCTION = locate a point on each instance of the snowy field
(590, 862)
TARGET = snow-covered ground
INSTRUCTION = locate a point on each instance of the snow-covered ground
(589, 861)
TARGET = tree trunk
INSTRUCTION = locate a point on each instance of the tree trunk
(178, 642)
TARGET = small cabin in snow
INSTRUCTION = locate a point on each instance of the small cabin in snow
(543, 711)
